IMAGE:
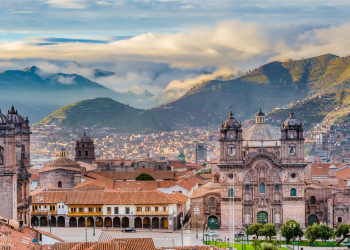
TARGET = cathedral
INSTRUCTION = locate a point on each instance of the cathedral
(262, 169)
(14, 166)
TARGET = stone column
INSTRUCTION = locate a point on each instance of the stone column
(160, 222)
(66, 221)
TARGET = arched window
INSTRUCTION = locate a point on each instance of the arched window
(86, 153)
(231, 150)
(247, 187)
(1, 156)
(339, 219)
(79, 153)
(83, 145)
(212, 202)
(293, 192)
(262, 188)
(277, 187)
(230, 176)
(230, 192)
(59, 184)
(313, 200)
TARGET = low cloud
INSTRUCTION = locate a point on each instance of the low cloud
(66, 79)
(67, 4)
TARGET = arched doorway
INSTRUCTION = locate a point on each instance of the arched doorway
(116, 222)
(99, 222)
(262, 218)
(138, 222)
(90, 222)
(213, 222)
(125, 222)
(35, 221)
(81, 222)
(311, 220)
(44, 221)
(53, 221)
(61, 222)
(108, 222)
(155, 223)
(146, 222)
(164, 223)
(72, 222)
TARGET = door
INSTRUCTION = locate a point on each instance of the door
(262, 218)
(311, 220)
(213, 222)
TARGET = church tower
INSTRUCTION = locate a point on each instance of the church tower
(292, 140)
(231, 149)
(85, 149)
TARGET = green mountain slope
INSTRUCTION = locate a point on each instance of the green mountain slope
(103, 112)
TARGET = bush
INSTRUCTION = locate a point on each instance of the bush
(144, 177)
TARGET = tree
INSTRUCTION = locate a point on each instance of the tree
(326, 232)
(254, 229)
(341, 98)
(298, 232)
(144, 177)
(342, 231)
(313, 233)
(268, 230)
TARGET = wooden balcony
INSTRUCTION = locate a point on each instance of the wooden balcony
(43, 213)
(152, 213)
(85, 213)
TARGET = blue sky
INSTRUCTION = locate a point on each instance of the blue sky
(167, 45)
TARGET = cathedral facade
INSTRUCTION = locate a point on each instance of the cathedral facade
(14, 166)
(262, 169)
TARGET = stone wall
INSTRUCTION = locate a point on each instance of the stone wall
(54, 176)
(8, 204)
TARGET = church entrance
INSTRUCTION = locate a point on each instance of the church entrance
(262, 218)
(311, 220)
(213, 222)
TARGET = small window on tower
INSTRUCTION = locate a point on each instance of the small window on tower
(291, 135)
(231, 150)
(292, 149)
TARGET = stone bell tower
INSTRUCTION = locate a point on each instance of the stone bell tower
(231, 142)
(292, 140)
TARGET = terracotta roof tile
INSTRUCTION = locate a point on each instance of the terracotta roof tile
(202, 193)
(131, 175)
(135, 185)
(85, 197)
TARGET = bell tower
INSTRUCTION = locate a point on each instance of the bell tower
(85, 149)
(292, 140)
(231, 141)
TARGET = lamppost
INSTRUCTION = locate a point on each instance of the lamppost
(196, 226)
(247, 230)
(49, 214)
(182, 237)
(39, 200)
(206, 234)
(293, 233)
(322, 224)
(85, 234)
(94, 225)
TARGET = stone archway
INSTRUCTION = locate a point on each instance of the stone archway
(108, 222)
(138, 222)
(116, 222)
(155, 223)
(146, 223)
(61, 221)
(125, 222)
(90, 222)
(164, 223)
(73, 222)
(81, 222)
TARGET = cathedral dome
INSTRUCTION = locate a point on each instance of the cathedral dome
(14, 117)
(3, 119)
(230, 122)
(84, 138)
(292, 121)
(262, 132)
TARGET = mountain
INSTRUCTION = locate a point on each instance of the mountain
(37, 94)
(104, 112)
(275, 84)
(272, 85)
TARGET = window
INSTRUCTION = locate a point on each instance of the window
(127, 210)
(156, 209)
(293, 192)
(231, 136)
(109, 210)
(99, 209)
(277, 187)
(212, 202)
(147, 209)
(59, 184)
(262, 188)
(230, 176)
(247, 187)
(292, 149)
(116, 210)
(79, 153)
(164, 208)
(91, 209)
(293, 175)
(86, 153)
(230, 192)
(313, 200)
(339, 219)
(45, 206)
(80, 210)
(1, 156)
(59, 206)
(138, 209)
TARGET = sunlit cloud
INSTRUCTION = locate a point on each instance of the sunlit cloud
(67, 4)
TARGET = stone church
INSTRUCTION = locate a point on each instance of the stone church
(14, 166)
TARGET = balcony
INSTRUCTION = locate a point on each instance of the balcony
(43, 213)
(82, 213)
(152, 213)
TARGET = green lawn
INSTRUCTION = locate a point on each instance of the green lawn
(236, 245)
(304, 243)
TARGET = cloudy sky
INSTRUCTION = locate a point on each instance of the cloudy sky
(167, 45)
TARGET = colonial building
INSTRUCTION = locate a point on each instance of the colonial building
(14, 166)
(262, 169)
(85, 149)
